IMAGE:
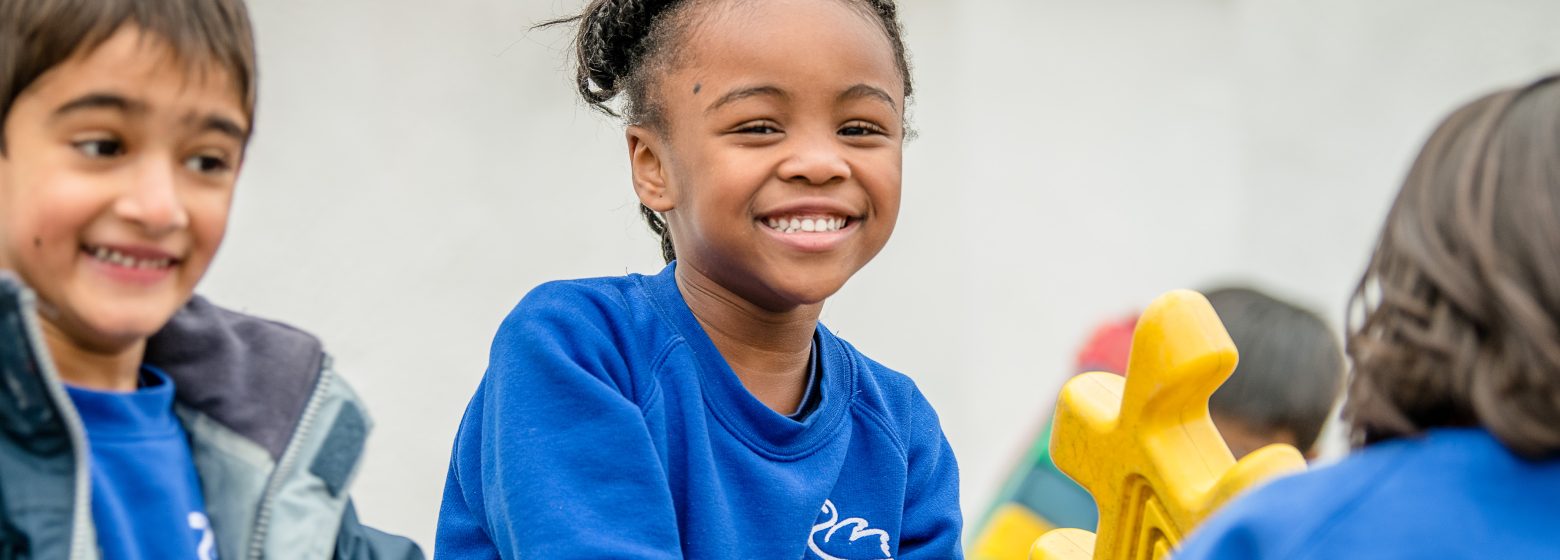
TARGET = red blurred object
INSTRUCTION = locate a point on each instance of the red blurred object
(1107, 347)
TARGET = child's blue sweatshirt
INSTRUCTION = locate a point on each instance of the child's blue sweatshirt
(1453, 494)
(609, 426)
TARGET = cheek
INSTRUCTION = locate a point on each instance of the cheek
(882, 178)
(44, 221)
(208, 213)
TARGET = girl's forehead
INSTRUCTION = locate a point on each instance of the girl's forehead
(827, 43)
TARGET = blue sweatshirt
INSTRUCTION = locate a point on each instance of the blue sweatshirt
(1453, 494)
(146, 497)
(609, 426)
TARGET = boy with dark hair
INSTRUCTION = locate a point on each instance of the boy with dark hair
(1289, 377)
(138, 421)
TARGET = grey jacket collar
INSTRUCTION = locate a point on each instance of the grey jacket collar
(250, 374)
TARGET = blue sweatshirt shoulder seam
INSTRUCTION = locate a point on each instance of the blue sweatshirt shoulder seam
(614, 290)
(884, 425)
(653, 377)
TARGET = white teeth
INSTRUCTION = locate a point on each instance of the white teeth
(810, 224)
(117, 258)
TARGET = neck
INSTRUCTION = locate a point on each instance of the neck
(115, 369)
(768, 350)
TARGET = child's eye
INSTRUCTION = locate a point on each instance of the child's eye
(207, 164)
(100, 148)
(760, 127)
(861, 128)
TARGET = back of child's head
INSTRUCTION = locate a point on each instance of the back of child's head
(624, 47)
(1289, 376)
(1457, 311)
(37, 35)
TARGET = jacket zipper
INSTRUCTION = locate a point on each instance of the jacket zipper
(285, 465)
(81, 545)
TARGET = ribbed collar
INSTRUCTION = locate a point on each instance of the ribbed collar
(765, 431)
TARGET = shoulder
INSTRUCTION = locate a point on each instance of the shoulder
(566, 308)
(1300, 513)
(585, 298)
(254, 376)
(877, 386)
(603, 327)
(891, 398)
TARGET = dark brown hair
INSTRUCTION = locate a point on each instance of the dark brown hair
(37, 35)
(623, 46)
(1454, 322)
(1291, 365)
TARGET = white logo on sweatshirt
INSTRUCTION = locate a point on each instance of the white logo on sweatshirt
(207, 549)
(823, 534)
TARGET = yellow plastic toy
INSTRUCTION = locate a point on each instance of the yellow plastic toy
(1144, 445)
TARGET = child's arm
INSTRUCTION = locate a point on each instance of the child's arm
(932, 520)
(553, 458)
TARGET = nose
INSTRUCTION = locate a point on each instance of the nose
(817, 161)
(152, 200)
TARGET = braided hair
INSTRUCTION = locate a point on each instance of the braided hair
(623, 46)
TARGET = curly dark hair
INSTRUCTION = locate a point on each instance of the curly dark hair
(1454, 322)
(623, 46)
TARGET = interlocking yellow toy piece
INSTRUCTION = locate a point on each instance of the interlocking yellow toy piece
(1144, 445)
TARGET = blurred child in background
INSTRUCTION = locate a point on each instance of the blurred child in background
(1288, 379)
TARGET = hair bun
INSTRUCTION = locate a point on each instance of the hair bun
(611, 36)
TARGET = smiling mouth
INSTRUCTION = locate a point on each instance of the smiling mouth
(812, 223)
(119, 258)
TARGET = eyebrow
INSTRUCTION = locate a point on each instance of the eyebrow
(225, 126)
(744, 93)
(116, 102)
(859, 91)
(99, 101)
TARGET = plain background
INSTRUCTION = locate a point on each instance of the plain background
(419, 165)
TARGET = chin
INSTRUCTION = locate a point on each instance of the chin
(114, 324)
(808, 293)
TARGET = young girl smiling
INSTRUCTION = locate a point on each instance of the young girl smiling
(703, 412)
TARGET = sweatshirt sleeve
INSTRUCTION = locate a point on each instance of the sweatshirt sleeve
(553, 458)
(932, 521)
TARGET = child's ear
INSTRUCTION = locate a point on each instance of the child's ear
(646, 151)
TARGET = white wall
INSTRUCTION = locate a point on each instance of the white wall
(419, 165)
